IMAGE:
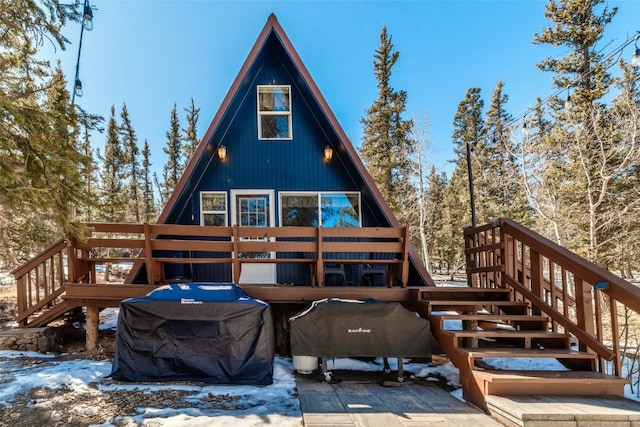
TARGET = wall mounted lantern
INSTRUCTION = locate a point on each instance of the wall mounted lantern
(328, 153)
(222, 152)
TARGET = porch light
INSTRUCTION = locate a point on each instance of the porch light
(328, 153)
(222, 152)
(87, 21)
(77, 90)
(635, 61)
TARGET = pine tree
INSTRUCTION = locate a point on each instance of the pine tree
(503, 195)
(191, 132)
(114, 199)
(579, 131)
(91, 181)
(149, 211)
(132, 164)
(469, 137)
(39, 161)
(387, 148)
(434, 221)
(173, 168)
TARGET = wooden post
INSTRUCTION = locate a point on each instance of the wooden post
(537, 276)
(584, 308)
(93, 320)
(236, 261)
(319, 261)
(405, 257)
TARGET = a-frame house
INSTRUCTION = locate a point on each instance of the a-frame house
(277, 200)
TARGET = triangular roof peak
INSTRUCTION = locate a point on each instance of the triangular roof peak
(273, 26)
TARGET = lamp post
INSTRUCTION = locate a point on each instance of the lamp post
(471, 196)
(87, 24)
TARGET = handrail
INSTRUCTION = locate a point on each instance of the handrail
(578, 296)
(40, 281)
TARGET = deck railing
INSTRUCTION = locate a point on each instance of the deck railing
(577, 296)
(42, 281)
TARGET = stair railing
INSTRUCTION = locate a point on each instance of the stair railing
(41, 281)
(577, 296)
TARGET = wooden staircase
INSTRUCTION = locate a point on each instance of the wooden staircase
(473, 325)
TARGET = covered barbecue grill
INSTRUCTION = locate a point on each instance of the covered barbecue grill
(207, 332)
(369, 328)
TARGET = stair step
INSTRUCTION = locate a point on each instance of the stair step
(526, 339)
(473, 306)
(554, 410)
(455, 293)
(549, 353)
(492, 321)
(586, 383)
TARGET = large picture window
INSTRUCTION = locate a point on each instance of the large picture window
(213, 208)
(330, 209)
(274, 112)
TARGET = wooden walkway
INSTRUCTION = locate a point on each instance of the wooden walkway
(360, 400)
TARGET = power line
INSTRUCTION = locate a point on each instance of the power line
(616, 51)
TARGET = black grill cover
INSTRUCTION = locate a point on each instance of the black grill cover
(369, 328)
(208, 332)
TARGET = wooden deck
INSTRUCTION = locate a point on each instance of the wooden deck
(361, 400)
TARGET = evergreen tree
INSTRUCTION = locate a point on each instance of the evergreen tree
(503, 195)
(469, 138)
(434, 220)
(387, 148)
(580, 131)
(39, 156)
(456, 215)
(91, 181)
(173, 149)
(132, 164)
(191, 132)
(149, 211)
(114, 199)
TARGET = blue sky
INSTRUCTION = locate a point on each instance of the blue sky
(152, 54)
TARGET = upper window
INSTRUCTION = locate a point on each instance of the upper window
(213, 208)
(274, 112)
(327, 209)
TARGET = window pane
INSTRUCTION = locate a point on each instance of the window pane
(300, 210)
(214, 219)
(340, 210)
(274, 99)
(253, 211)
(275, 126)
(214, 202)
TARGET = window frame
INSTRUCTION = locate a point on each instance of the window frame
(204, 212)
(318, 195)
(274, 113)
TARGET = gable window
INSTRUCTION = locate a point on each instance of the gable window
(213, 208)
(330, 209)
(274, 112)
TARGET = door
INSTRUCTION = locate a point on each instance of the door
(254, 208)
